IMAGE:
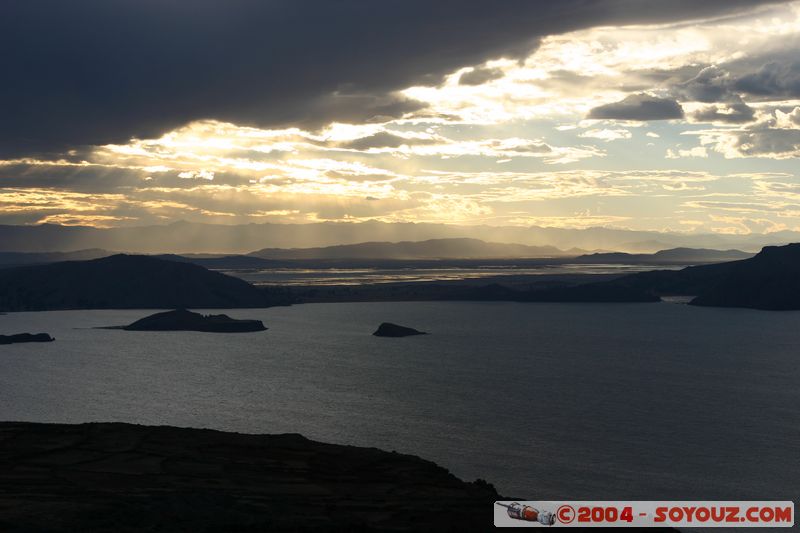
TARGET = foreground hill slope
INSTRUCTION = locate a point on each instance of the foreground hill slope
(123, 477)
(122, 282)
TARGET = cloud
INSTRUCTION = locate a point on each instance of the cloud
(780, 189)
(96, 72)
(384, 139)
(606, 134)
(509, 148)
(710, 85)
(762, 75)
(479, 76)
(196, 175)
(775, 79)
(757, 141)
(639, 107)
(697, 151)
(322, 126)
(739, 207)
(768, 142)
(774, 136)
(788, 120)
(737, 113)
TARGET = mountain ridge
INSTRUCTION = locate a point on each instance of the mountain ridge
(450, 248)
(388, 254)
(192, 237)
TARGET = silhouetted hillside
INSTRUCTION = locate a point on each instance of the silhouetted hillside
(232, 262)
(9, 259)
(770, 280)
(122, 282)
(680, 256)
(128, 478)
(461, 248)
(700, 255)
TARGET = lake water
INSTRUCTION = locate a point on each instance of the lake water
(547, 401)
(360, 276)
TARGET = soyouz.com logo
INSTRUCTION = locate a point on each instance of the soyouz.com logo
(644, 514)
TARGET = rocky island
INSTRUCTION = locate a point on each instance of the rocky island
(25, 337)
(387, 329)
(122, 477)
(184, 320)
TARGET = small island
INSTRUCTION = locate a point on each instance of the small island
(25, 337)
(387, 329)
(184, 320)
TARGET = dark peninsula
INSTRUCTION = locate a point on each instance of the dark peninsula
(123, 282)
(183, 320)
(768, 281)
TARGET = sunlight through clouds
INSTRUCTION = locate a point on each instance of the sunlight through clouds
(641, 122)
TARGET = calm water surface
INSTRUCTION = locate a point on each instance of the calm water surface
(360, 276)
(595, 401)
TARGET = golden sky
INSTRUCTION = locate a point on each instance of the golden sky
(683, 126)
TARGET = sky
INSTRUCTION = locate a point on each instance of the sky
(671, 116)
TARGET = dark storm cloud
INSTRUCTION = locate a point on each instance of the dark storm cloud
(639, 107)
(736, 112)
(770, 76)
(479, 76)
(98, 71)
(775, 79)
(382, 139)
(81, 178)
(711, 85)
(764, 141)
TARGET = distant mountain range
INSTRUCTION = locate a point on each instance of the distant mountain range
(453, 252)
(9, 259)
(457, 248)
(188, 237)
